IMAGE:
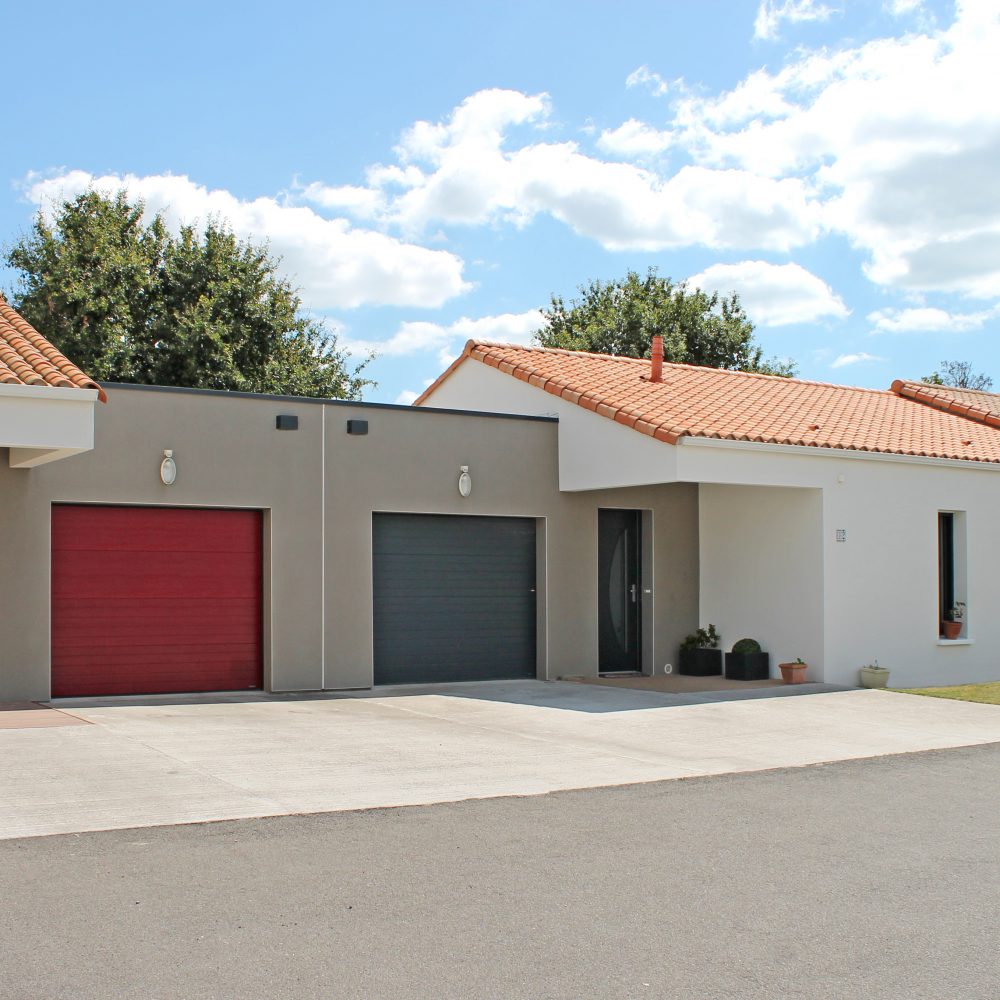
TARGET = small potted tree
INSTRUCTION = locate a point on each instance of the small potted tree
(951, 627)
(700, 655)
(747, 662)
(874, 676)
(794, 673)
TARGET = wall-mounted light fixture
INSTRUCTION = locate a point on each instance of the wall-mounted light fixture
(464, 481)
(168, 468)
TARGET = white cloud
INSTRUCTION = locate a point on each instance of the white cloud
(929, 320)
(337, 266)
(634, 139)
(899, 138)
(774, 294)
(771, 14)
(891, 144)
(468, 176)
(643, 77)
(854, 359)
(359, 201)
(413, 337)
(407, 396)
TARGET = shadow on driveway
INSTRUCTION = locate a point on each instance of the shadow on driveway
(565, 696)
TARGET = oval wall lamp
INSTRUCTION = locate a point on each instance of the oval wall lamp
(464, 481)
(168, 468)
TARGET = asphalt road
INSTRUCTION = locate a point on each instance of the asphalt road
(876, 878)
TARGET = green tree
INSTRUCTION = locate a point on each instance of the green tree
(621, 317)
(959, 375)
(130, 302)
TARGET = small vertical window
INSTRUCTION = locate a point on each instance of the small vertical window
(952, 603)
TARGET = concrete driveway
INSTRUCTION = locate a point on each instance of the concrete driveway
(161, 761)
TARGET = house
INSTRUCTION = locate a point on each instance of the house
(833, 523)
(548, 515)
(303, 544)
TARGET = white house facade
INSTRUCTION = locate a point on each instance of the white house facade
(830, 554)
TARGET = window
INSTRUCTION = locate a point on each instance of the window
(952, 615)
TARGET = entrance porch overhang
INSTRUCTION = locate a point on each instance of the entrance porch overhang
(40, 424)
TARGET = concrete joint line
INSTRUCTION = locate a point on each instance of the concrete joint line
(270, 803)
(533, 739)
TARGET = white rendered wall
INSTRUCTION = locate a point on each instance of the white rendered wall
(880, 586)
(761, 563)
(594, 452)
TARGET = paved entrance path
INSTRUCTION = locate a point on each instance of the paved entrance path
(163, 761)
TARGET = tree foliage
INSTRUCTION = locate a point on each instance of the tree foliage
(959, 375)
(621, 317)
(129, 301)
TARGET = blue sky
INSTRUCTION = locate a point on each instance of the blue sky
(430, 172)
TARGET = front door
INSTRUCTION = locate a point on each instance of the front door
(618, 589)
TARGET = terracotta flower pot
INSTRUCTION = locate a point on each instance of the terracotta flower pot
(793, 673)
(951, 630)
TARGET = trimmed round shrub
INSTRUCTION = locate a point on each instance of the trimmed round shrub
(746, 646)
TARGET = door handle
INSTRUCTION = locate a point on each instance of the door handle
(632, 590)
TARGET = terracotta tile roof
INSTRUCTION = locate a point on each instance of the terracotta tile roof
(27, 358)
(738, 406)
(973, 404)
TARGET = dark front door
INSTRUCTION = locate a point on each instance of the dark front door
(618, 589)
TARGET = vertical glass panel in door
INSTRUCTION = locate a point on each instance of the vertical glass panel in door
(618, 589)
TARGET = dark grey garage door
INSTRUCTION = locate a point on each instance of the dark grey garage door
(454, 598)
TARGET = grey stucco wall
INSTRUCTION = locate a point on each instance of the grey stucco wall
(229, 454)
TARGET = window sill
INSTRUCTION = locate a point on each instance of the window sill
(956, 642)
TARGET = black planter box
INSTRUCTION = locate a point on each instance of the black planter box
(748, 666)
(701, 662)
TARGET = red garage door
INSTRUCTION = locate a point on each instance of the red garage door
(155, 599)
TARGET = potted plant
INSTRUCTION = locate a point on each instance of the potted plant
(794, 673)
(700, 655)
(874, 676)
(747, 662)
(951, 627)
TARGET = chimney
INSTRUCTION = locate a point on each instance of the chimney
(656, 371)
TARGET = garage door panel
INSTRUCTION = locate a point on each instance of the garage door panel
(155, 574)
(153, 656)
(151, 529)
(130, 634)
(155, 600)
(454, 598)
(151, 609)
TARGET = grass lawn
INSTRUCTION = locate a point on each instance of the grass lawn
(986, 694)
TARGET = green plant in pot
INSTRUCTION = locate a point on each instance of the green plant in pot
(951, 625)
(700, 655)
(747, 662)
(874, 676)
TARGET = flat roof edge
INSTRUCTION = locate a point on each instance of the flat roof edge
(313, 400)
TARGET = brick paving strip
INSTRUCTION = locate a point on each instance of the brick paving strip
(31, 715)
